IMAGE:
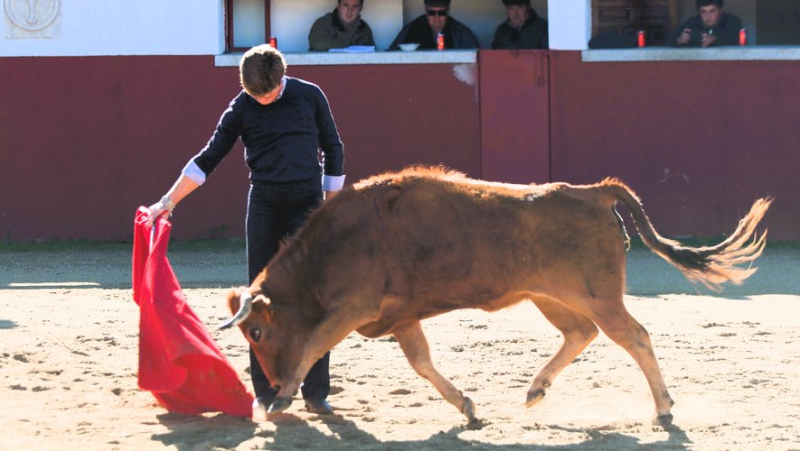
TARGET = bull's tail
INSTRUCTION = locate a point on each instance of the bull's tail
(710, 266)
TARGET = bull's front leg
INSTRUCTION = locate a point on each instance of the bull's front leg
(330, 331)
(415, 347)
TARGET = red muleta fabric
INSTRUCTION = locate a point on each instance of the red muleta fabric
(179, 362)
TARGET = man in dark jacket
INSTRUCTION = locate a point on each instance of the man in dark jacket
(711, 27)
(424, 29)
(285, 124)
(341, 28)
(524, 29)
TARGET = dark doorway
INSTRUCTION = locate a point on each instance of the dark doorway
(778, 22)
(626, 17)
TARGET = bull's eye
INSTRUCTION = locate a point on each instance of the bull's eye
(255, 334)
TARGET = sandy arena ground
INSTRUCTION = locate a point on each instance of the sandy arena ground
(69, 353)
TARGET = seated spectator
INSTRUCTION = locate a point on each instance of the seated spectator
(524, 29)
(424, 29)
(341, 28)
(711, 27)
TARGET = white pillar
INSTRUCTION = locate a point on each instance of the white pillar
(570, 24)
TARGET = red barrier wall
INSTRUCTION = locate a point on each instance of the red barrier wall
(85, 140)
(515, 127)
(698, 141)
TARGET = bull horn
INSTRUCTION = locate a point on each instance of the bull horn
(246, 301)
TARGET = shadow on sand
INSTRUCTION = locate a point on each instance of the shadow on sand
(292, 432)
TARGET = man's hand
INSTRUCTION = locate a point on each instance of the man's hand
(330, 194)
(707, 40)
(684, 38)
(182, 187)
(157, 210)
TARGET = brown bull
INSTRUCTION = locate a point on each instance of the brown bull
(402, 247)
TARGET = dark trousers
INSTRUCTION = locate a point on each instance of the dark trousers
(274, 212)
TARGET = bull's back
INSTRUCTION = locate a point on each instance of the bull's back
(469, 244)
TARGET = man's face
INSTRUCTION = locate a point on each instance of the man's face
(437, 17)
(266, 99)
(349, 10)
(710, 15)
(517, 14)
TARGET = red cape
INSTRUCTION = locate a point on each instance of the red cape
(179, 362)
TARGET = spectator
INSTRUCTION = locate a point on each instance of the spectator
(524, 29)
(424, 29)
(341, 28)
(284, 123)
(711, 27)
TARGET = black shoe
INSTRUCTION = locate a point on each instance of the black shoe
(319, 406)
(263, 402)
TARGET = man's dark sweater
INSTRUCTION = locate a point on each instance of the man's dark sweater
(281, 139)
(532, 35)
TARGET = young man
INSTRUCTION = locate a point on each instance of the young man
(284, 123)
(711, 27)
(341, 28)
(424, 29)
(524, 29)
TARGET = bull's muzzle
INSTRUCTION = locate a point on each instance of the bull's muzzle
(245, 307)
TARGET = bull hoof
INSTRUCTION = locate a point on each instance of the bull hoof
(468, 409)
(279, 405)
(664, 420)
(534, 396)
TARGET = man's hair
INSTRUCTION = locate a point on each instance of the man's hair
(261, 69)
(339, 2)
(437, 3)
(717, 3)
(516, 2)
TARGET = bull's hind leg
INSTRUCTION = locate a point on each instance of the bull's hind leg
(415, 347)
(578, 332)
(623, 329)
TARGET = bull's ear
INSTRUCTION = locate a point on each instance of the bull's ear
(255, 287)
(392, 196)
(263, 305)
(234, 298)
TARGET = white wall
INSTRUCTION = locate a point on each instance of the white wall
(248, 23)
(196, 27)
(119, 27)
(570, 23)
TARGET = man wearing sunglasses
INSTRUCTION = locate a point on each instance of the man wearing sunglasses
(424, 29)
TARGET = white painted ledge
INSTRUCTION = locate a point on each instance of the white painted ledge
(343, 59)
(755, 53)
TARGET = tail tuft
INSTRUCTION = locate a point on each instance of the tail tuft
(721, 263)
(710, 266)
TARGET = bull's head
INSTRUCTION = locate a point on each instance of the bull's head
(275, 331)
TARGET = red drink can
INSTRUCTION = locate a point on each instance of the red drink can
(440, 41)
(273, 41)
(640, 35)
(742, 37)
